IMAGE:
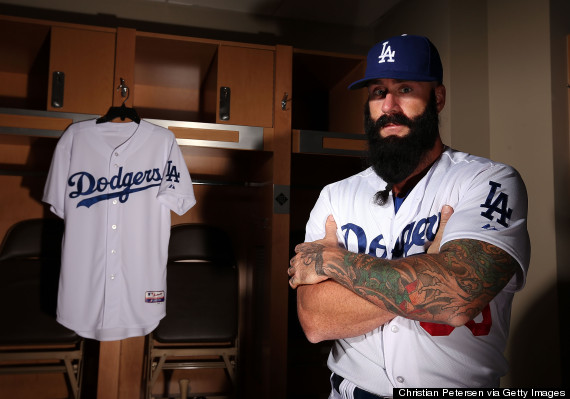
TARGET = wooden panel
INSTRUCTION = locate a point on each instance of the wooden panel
(109, 370)
(331, 143)
(231, 136)
(131, 371)
(34, 122)
(121, 368)
(249, 74)
(24, 386)
(208, 93)
(125, 65)
(23, 41)
(278, 287)
(169, 73)
(87, 58)
(268, 135)
(24, 73)
(14, 85)
(346, 107)
(344, 144)
(30, 154)
(321, 99)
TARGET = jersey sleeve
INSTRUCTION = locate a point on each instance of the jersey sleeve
(315, 228)
(56, 182)
(494, 209)
(176, 191)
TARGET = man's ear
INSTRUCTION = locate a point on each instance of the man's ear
(440, 97)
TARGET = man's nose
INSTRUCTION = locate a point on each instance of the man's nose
(390, 104)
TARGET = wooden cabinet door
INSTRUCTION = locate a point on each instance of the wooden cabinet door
(86, 58)
(248, 72)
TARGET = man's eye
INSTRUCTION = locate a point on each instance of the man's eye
(406, 90)
(379, 93)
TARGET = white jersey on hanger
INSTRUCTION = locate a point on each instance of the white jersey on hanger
(490, 204)
(114, 184)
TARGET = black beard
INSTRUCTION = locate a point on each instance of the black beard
(395, 158)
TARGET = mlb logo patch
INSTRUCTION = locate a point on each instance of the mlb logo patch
(154, 296)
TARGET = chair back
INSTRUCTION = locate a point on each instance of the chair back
(202, 287)
(33, 238)
(30, 258)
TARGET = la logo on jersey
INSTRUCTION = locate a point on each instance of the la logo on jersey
(171, 173)
(496, 204)
(387, 54)
(120, 186)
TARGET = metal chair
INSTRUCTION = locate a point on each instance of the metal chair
(31, 340)
(200, 329)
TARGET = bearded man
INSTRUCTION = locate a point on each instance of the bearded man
(403, 315)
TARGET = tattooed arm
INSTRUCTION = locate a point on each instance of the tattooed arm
(451, 287)
(330, 311)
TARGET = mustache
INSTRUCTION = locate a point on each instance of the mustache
(397, 119)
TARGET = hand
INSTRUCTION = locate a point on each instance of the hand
(307, 267)
(433, 247)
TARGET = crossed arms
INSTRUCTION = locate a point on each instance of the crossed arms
(342, 294)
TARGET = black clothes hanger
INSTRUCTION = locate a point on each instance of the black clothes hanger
(122, 111)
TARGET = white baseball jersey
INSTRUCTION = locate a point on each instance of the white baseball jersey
(490, 204)
(115, 184)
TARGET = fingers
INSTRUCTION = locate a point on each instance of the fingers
(292, 282)
(291, 273)
(302, 267)
(446, 212)
(330, 229)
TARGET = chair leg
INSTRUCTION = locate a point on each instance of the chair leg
(156, 371)
(73, 379)
(183, 388)
(229, 367)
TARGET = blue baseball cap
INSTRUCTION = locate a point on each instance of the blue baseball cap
(406, 57)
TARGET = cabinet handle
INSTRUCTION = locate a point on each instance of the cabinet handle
(58, 83)
(225, 94)
(284, 102)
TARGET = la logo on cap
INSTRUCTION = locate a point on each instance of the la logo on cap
(386, 53)
(418, 60)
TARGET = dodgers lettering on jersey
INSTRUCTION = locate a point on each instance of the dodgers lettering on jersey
(86, 184)
(490, 204)
(414, 235)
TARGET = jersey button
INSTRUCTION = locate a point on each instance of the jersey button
(112, 276)
(116, 154)
(114, 227)
(394, 329)
(400, 379)
(114, 202)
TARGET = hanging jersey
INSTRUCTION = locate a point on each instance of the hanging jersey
(114, 184)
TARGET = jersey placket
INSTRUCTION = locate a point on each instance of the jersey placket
(113, 274)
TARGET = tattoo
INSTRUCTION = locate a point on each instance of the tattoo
(314, 253)
(459, 281)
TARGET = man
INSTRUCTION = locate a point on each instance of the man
(437, 319)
